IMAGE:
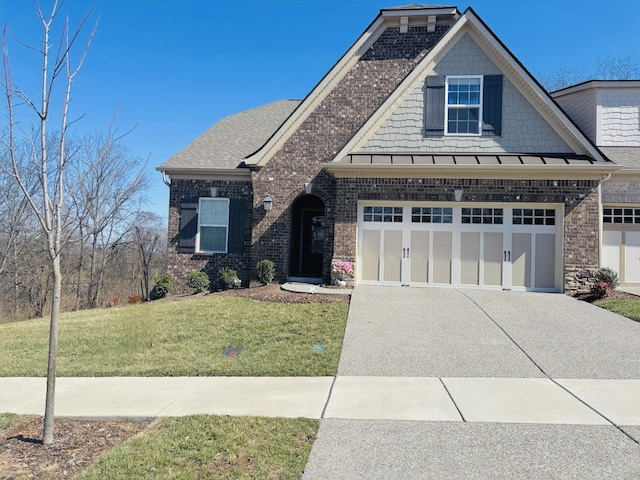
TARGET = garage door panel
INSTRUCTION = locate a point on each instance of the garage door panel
(611, 241)
(545, 260)
(370, 255)
(632, 257)
(493, 251)
(442, 255)
(419, 257)
(470, 258)
(392, 255)
(521, 260)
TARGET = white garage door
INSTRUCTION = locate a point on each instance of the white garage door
(621, 242)
(488, 246)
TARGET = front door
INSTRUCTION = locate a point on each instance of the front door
(307, 238)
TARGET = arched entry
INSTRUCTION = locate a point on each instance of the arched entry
(307, 238)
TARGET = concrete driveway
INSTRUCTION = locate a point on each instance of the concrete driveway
(544, 386)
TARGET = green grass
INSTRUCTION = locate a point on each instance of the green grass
(211, 447)
(628, 308)
(182, 338)
(9, 419)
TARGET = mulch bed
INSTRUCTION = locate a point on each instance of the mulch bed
(76, 444)
(613, 295)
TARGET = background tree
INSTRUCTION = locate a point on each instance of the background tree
(48, 156)
(148, 237)
(607, 68)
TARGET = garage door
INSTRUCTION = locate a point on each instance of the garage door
(621, 242)
(488, 246)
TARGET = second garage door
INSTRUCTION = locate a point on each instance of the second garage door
(487, 246)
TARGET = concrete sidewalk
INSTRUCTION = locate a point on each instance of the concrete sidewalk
(497, 400)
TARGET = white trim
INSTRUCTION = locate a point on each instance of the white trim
(538, 97)
(215, 225)
(448, 106)
(319, 92)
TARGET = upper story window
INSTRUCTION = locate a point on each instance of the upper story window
(464, 105)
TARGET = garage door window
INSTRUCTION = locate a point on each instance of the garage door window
(431, 215)
(487, 216)
(383, 214)
(621, 215)
(531, 216)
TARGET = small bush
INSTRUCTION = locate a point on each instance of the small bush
(266, 271)
(229, 278)
(600, 289)
(199, 281)
(163, 286)
(114, 302)
(607, 275)
(133, 299)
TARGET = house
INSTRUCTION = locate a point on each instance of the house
(427, 156)
(608, 112)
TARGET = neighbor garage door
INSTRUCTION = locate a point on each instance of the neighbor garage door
(487, 246)
(621, 241)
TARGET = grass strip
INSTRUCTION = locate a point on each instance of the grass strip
(184, 338)
(203, 446)
(627, 308)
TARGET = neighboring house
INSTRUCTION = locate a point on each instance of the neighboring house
(427, 155)
(608, 112)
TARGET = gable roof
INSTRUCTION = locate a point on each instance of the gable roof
(539, 98)
(224, 146)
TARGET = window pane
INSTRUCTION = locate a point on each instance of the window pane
(213, 212)
(213, 239)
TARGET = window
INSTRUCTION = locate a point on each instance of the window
(620, 215)
(534, 216)
(382, 214)
(431, 215)
(213, 223)
(464, 105)
(482, 215)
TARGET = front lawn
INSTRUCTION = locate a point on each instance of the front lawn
(630, 308)
(183, 338)
(212, 447)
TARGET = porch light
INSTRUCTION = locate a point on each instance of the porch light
(267, 203)
(457, 194)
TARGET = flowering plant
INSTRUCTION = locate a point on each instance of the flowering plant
(341, 270)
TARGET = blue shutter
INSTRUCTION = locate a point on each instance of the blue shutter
(434, 106)
(188, 225)
(492, 105)
(236, 224)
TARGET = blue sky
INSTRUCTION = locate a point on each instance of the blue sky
(173, 68)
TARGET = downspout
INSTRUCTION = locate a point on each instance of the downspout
(166, 180)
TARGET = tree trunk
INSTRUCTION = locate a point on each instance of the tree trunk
(53, 352)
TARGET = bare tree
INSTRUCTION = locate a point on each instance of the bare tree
(47, 157)
(148, 236)
(108, 184)
(607, 68)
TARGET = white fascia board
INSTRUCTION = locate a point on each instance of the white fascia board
(542, 94)
(404, 12)
(320, 91)
(596, 84)
(517, 172)
(238, 174)
(394, 100)
(518, 74)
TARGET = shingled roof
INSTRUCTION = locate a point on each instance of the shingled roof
(228, 142)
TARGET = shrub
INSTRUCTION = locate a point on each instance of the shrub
(229, 278)
(266, 271)
(600, 289)
(198, 281)
(608, 276)
(341, 270)
(133, 299)
(114, 302)
(163, 286)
